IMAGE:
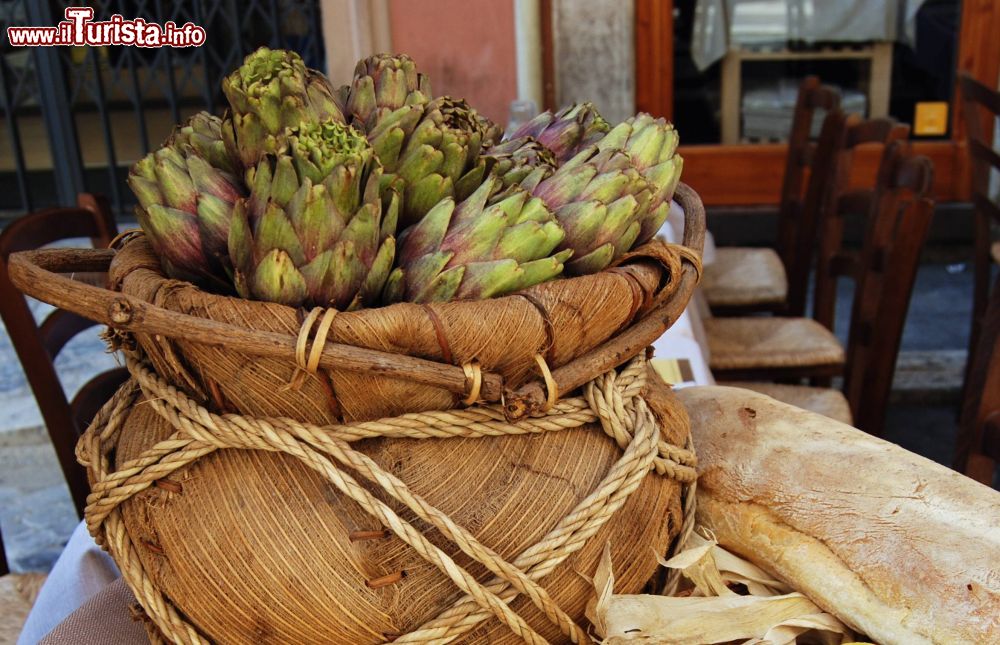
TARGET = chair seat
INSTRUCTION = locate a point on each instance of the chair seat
(744, 276)
(821, 400)
(770, 343)
(17, 596)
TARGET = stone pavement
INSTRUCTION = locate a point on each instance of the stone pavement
(36, 513)
(37, 516)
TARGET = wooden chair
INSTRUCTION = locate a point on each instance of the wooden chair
(977, 449)
(885, 271)
(981, 108)
(842, 203)
(746, 279)
(37, 345)
(978, 446)
(768, 348)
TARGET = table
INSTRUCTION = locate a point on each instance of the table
(738, 31)
(722, 25)
(84, 599)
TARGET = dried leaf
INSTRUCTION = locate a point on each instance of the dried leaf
(604, 584)
(697, 620)
(737, 570)
(698, 566)
(771, 614)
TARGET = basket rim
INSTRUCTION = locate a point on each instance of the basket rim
(37, 273)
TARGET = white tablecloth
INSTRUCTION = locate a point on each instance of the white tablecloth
(81, 571)
(84, 570)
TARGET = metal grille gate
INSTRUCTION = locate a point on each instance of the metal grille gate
(75, 118)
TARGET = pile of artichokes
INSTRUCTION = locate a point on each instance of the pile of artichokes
(379, 192)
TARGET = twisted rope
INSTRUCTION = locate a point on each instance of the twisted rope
(613, 399)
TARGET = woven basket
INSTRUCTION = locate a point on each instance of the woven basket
(273, 475)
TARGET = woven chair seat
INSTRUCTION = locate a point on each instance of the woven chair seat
(17, 595)
(821, 400)
(769, 343)
(743, 276)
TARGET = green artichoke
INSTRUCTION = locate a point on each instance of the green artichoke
(488, 245)
(566, 132)
(516, 158)
(186, 192)
(315, 231)
(599, 198)
(383, 83)
(431, 152)
(652, 146)
(272, 91)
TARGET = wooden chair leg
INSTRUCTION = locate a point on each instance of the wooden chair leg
(981, 468)
(4, 566)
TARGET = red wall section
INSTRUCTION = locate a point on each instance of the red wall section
(465, 46)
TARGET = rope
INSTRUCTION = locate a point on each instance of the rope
(692, 256)
(613, 399)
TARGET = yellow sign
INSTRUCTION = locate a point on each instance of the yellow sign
(931, 118)
(674, 371)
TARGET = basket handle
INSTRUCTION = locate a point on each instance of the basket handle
(39, 273)
(531, 397)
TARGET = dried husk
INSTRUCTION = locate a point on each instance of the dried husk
(712, 612)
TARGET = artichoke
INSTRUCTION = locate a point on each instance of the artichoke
(566, 132)
(516, 158)
(652, 145)
(383, 83)
(431, 152)
(599, 198)
(186, 192)
(272, 91)
(314, 231)
(488, 245)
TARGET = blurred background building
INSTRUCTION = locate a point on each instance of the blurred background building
(724, 70)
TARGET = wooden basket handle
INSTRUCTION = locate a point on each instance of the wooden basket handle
(38, 273)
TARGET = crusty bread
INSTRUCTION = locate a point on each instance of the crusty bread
(897, 546)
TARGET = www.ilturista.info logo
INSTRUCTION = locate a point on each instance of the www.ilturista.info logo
(79, 28)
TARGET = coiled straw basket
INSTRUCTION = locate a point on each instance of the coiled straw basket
(410, 473)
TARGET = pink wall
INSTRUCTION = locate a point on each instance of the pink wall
(465, 46)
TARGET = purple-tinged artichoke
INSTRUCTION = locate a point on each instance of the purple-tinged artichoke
(431, 152)
(314, 231)
(517, 158)
(566, 132)
(488, 245)
(652, 146)
(186, 192)
(599, 198)
(382, 84)
(271, 92)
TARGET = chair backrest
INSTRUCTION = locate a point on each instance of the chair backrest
(977, 449)
(37, 345)
(833, 201)
(801, 160)
(978, 445)
(981, 109)
(896, 230)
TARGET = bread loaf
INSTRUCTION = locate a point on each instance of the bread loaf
(898, 547)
